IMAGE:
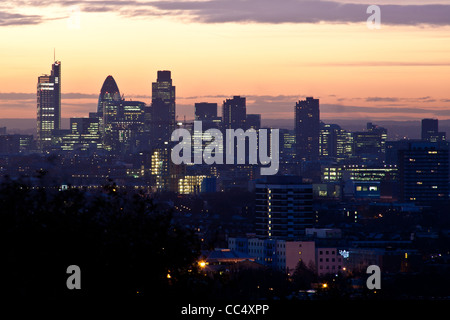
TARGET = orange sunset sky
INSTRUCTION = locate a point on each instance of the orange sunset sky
(272, 52)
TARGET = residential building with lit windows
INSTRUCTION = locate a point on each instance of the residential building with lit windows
(328, 260)
(424, 172)
(283, 207)
(284, 255)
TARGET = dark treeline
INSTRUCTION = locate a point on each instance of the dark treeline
(123, 244)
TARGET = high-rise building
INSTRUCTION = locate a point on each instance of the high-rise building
(307, 129)
(424, 172)
(163, 108)
(48, 105)
(121, 122)
(370, 144)
(109, 93)
(207, 113)
(107, 110)
(328, 139)
(84, 134)
(430, 131)
(287, 145)
(15, 143)
(234, 113)
(344, 144)
(283, 207)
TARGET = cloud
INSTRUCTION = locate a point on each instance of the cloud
(260, 11)
(76, 95)
(336, 108)
(382, 64)
(304, 11)
(17, 96)
(382, 99)
(426, 99)
(15, 19)
(32, 96)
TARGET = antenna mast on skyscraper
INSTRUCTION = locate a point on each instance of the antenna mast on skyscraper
(54, 54)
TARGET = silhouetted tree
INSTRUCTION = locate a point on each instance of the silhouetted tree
(123, 244)
(303, 276)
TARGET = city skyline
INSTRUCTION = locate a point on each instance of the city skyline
(226, 150)
(397, 72)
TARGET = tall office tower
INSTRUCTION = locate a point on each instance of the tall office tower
(328, 139)
(344, 145)
(163, 108)
(430, 131)
(370, 144)
(108, 94)
(307, 129)
(283, 207)
(48, 105)
(107, 110)
(287, 145)
(234, 113)
(129, 128)
(424, 172)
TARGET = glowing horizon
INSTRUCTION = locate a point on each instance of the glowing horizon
(400, 72)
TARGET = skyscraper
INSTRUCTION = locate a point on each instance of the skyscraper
(163, 108)
(48, 105)
(283, 207)
(107, 110)
(234, 113)
(109, 93)
(307, 129)
(370, 144)
(328, 139)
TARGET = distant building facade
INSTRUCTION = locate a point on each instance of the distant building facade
(424, 172)
(307, 129)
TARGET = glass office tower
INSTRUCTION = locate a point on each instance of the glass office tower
(48, 105)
